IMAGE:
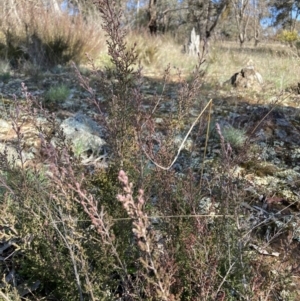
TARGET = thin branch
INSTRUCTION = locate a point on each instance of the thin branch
(174, 9)
(182, 144)
(206, 141)
(224, 279)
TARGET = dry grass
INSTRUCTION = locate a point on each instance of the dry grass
(155, 53)
(43, 36)
(277, 63)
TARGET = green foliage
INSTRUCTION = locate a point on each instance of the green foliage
(297, 44)
(59, 245)
(57, 94)
(283, 12)
(104, 60)
(235, 137)
(288, 36)
(5, 77)
(106, 186)
(5, 72)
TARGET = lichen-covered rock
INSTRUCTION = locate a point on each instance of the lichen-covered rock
(248, 77)
(85, 135)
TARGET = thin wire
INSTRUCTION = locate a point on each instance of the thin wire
(180, 216)
(169, 216)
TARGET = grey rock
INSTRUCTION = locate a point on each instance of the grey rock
(13, 156)
(188, 144)
(281, 134)
(85, 135)
(248, 77)
(4, 126)
(159, 120)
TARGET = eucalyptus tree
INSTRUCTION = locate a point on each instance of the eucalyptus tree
(258, 14)
(166, 15)
(248, 16)
(285, 13)
(204, 15)
(242, 16)
(152, 16)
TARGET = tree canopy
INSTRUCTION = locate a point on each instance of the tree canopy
(239, 20)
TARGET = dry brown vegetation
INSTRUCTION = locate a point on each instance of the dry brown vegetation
(43, 37)
(142, 229)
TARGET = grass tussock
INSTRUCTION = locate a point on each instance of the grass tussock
(57, 94)
(152, 52)
(45, 36)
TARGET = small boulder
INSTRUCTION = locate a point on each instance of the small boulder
(248, 77)
(86, 136)
(295, 89)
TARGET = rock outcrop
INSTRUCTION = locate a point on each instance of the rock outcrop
(85, 135)
(248, 77)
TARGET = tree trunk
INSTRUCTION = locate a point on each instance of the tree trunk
(241, 17)
(242, 38)
(256, 38)
(152, 16)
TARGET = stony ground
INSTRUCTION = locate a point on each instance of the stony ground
(270, 170)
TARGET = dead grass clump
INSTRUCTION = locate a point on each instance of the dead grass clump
(47, 37)
(152, 51)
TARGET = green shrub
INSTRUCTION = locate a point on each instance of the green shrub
(57, 94)
(5, 77)
(104, 60)
(288, 36)
(4, 66)
(235, 137)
